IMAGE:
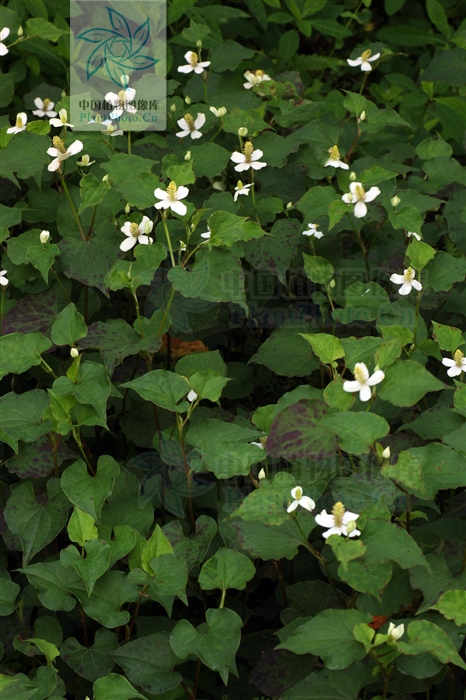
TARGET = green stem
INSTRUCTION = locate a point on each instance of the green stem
(2, 306)
(418, 303)
(138, 313)
(47, 368)
(77, 439)
(169, 243)
(167, 309)
(70, 202)
(362, 246)
(67, 296)
(129, 142)
(222, 599)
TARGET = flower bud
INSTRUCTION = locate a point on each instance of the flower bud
(219, 185)
(44, 236)
(124, 80)
(255, 135)
(362, 116)
(127, 208)
(395, 201)
(352, 176)
(386, 453)
(261, 474)
(187, 99)
(222, 111)
(332, 284)
(74, 352)
(242, 131)
(188, 156)
(351, 526)
(173, 107)
(105, 178)
(20, 31)
(199, 44)
(289, 205)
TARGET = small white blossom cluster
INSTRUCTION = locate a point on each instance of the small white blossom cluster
(339, 522)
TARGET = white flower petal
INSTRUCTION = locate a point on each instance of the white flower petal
(397, 279)
(374, 57)
(366, 66)
(126, 228)
(256, 154)
(182, 192)
(196, 134)
(454, 371)
(365, 393)
(417, 285)
(347, 198)
(183, 124)
(376, 378)
(354, 533)
(159, 193)
(237, 157)
(76, 147)
(4, 33)
(292, 507)
(256, 166)
(183, 134)
(351, 386)
(128, 243)
(199, 121)
(178, 208)
(405, 289)
(324, 519)
(242, 166)
(372, 194)
(360, 210)
(54, 165)
(307, 503)
(448, 363)
(333, 531)
(354, 62)
(185, 69)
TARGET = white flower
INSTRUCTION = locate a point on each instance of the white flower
(21, 121)
(362, 381)
(121, 102)
(62, 119)
(407, 281)
(3, 278)
(241, 189)
(192, 396)
(137, 233)
(44, 108)
(44, 236)
(60, 153)
(334, 159)
(413, 233)
(85, 161)
(312, 231)
(255, 78)
(249, 158)
(337, 521)
(170, 198)
(220, 112)
(358, 196)
(395, 632)
(457, 365)
(386, 453)
(191, 126)
(395, 201)
(262, 474)
(111, 130)
(194, 64)
(3, 35)
(74, 352)
(300, 500)
(363, 60)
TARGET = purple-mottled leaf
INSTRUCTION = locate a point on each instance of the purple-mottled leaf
(275, 254)
(33, 314)
(117, 340)
(297, 432)
(35, 460)
(94, 36)
(88, 261)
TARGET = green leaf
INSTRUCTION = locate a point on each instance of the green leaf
(326, 347)
(215, 643)
(208, 384)
(170, 576)
(317, 269)
(21, 416)
(149, 663)
(91, 386)
(209, 160)
(42, 258)
(420, 254)
(92, 191)
(433, 148)
(9, 591)
(49, 650)
(36, 26)
(92, 566)
(68, 326)
(354, 103)
(286, 353)
(53, 583)
(268, 503)
(227, 229)
(89, 492)
(329, 635)
(364, 301)
(132, 176)
(115, 687)
(36, 523)
(437, 16)
(337, 685)
(406, 382)
(275, 252)
(449, 66)
(81, 527)
(357, 432)
(424, 636)
(26, 155)
(408, 218)
(228, 55)
(92, 663)
(181, 173)
(20, 351)
(156, 546)
(88, 261)
(335, 396)
(423, 471)
(452, 605)
(298, 432)
(110, 593)
(216, 275)
(444, 270)
(345, 549)
(226, 569)
(165, 389)
(201, 362)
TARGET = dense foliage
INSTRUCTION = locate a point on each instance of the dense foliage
(233, 413)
